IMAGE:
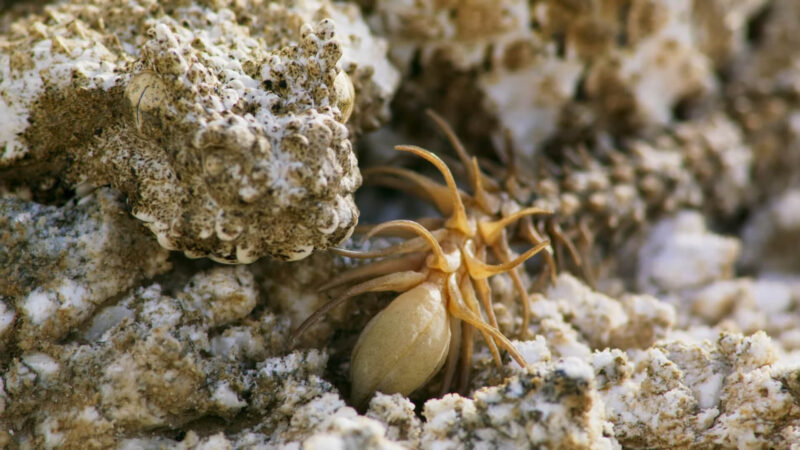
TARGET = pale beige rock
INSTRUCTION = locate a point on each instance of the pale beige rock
(635, 321)
(680, 253)
(554, 408)
(219, 121)
(733, 393)
(521, 68)
(662, 106)
(59, 264)
(770, 234)
(150, 360)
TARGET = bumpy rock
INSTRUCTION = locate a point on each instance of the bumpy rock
(764, 96)
(222, 122)
(555, 408)
(92, 354)
(175, 358)
(634, 321)
(606, 194)
(769, 236)
(730, 393)
(151, 360)
(397, 413)
(680, 253)
(768, 303)
(720, 27)
(293, 290)
(693, 270)
(59, 264)
(341, 429)
(522, 68)
(573, 320)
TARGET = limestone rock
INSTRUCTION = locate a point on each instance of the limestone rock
(222, 122)
(58, 265)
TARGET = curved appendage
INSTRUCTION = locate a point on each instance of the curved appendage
(455, 306)
(503, 253)
(419, 185)
(383, 267)
(469, 299)
(473, 172)
(491, 231)
(533, 236)
(485, 292)
(526, 306)
(485, 295)
(431, 223)
(452, 356)
(400, 281)
(555, 230)
(410, 246)
(495, 171)
(458, 220)
(588, 240)
(455, 142)
(479, 269)
(465, 363)
(489, 205)
(410, 225)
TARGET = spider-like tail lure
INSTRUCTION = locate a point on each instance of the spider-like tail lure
(441, 272)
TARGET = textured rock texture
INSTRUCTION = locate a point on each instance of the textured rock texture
(222, 122)
(662, 135)
(532, 70)
(58, 264)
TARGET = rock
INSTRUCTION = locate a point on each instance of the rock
(732, 393)
(770, 234)
(680, 253)
(60, 264)
(556, 408)
(635, 321)
(151, 360)
(649, 128)
(222, 124)
(537, 71)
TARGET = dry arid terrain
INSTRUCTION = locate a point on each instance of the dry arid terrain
(589, 233)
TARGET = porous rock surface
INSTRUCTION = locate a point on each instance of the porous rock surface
(201, 361)
(59, 264)
(222, 122)
(533, 70)
(685, 337)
